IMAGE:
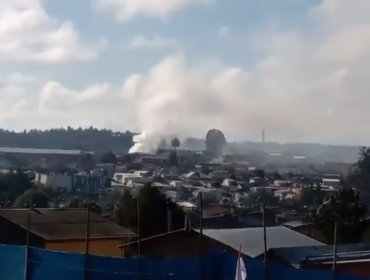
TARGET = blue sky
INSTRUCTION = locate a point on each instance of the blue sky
(297, 68)
(195, 28)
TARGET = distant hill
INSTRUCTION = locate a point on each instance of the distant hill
(90, 139)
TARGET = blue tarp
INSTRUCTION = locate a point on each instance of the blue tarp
(49, 265)
(12, 262)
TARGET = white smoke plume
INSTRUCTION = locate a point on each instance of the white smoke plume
(305, 87)
(304, 84)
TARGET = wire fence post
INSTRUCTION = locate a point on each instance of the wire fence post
(27, 246)
(87, 242)
(263, 209)
(201, 241)
(138, 226)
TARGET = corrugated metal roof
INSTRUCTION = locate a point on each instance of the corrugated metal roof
(15, 150)
(251, 239)
(64, 224)
(295, 256)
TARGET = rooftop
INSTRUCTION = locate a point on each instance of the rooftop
(64, 224)
(14, 150)
(251, 239)
(295, 256)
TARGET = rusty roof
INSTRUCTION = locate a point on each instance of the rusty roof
(64, 224)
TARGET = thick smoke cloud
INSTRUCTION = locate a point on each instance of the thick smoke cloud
(306, 87)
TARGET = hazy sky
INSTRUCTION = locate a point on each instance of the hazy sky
(298, 68)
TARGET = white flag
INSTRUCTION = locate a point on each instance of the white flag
(241, 271)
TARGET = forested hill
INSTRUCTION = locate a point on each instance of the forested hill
(90, 139)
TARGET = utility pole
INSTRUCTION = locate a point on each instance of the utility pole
(138, 226)
(201, 235)
(334, 268)
(87, 243)
(28, 238)
(87, 231)
(169, 217)
(263, 209)
(27, 245)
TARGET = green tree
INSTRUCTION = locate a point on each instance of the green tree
(311, 196)
(277, 176)
(175, 143)
(173, 158)
(153, 212)
(346, 209)
(32, 198)
(215, 142)
(262, 196)
(260, 173)
(14, 184)
(359, 175)
(77, 202)
(108, 157)
(86, 162)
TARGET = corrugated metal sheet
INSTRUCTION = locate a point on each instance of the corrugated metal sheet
(251, 239)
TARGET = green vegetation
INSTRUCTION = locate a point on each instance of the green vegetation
(12, 185)
(90, 139)
(359, 175)
(346, 209)
(32, 198)
(215, 142)
(108, 157)
(255, 199)
(153, 212)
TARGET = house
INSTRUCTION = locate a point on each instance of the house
(106, 169)
(219, 175)
(195, 177)
(352, 259)
(186, 242)
(331, 180)
(62, 230)
(73, 183)
(89, 183)
(210, 195)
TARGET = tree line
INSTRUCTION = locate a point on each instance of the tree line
(88, 139)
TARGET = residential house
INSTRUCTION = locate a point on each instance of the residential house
(74, 183)
(331, 181)
(196, 177)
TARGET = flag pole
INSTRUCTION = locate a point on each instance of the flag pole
(238, 268)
